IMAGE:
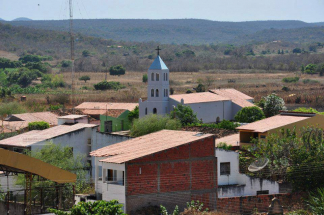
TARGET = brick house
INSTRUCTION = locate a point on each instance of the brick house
(163, 168)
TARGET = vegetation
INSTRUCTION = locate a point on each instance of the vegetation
(10, 108)
(134, 114)
(249, 114)
(315, 201)
(84, 78)
(222, 145)
(310, 81)
(144, 79)
(273, 104)
(41, 125)
(152, 123)
(225, 124)
(111, 85)
(164, 211)
(310, 69)
(34, 58)
(6, 63)
(290, 79)
(117, 70)
(193, 207)
(200, 88)
(185, 114)
(93, 208)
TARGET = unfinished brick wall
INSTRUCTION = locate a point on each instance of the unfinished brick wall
(173, 177)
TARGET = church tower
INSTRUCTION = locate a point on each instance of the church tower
(157, 89)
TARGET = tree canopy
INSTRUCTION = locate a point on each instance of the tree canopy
(185, 114)
(249, 114)
(273, 104)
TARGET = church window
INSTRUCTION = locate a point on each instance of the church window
(154, 111)
(167, 92)
(145, 111)
(166, 76)
(157, 93)
(152, 93)
(157, 76)
(152, 77)
(164, 92)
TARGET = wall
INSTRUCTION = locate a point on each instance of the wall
(17, 208)
(116, 122)
(84, 120)
(237, 184)
(173, 177)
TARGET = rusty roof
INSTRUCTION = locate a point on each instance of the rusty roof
(236, 96)
(198, 97)
(147, 145)
(232, 140)
(35, 136)
(106, 105)
(271, 123)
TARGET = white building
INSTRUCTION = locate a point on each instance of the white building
(213, 106)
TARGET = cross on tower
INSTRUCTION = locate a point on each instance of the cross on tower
(158, 50)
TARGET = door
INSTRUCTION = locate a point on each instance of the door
(108, 126)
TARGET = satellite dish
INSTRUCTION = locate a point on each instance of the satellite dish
(258, 164)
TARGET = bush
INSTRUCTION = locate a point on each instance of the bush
(315, 201)
(41, 125)
(112, 85)
(53, 81)
(145, 78)
(42, 67)
(152, 123)
(117, 70)
(66, 63)
(310, 81)
(85, 53)
(62, 98)
(6, 63)
(185, 114)
(310, 69)
(200, 88)
(290, 79)
(34, 58)
(134, 114)
(225, 124)
(84, 78)
(286, 89)
(249, 114)
(273, 104)
(297, 50)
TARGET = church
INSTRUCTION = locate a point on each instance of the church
(211, 107)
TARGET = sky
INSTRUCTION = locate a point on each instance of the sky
(218, 10)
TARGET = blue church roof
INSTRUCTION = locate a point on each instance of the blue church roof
(158, 64)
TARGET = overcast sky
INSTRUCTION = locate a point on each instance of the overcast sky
(220, 10)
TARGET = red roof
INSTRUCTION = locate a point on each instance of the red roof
(146, 145)
(232, 140)
(236, 96)
(198, 97)
(106, 105)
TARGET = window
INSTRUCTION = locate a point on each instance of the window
(152, 77)
(100, 173)
(157, 93)
(108, 126)
(145, 111)
(262, 136)
(157, 76)
(154, 111)
(19, 150)
(112, 175)
(264, 192)
(152, 93)
(166, 76)
(166, 93)
(225, 168)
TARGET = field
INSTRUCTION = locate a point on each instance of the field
(254, 83)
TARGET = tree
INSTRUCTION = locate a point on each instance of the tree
(41, 125)
(66, 63)
(152, 123)
(297, 50)
(85, 53)
(320, 69)
(302, 68)
(200, 88)
(117, 70)
(112, 85)
(134, 114)
(93, 208)
(145, 78)
(84, 78)
(273, 104)
(185, 114)
(310, 69)
(249, 114)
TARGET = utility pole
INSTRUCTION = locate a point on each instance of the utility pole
(72, 52)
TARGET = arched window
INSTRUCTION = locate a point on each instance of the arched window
(157, 76)
(145, 111)
(157, 93)
(154, 111)
(166, 76)
(152, 77)
(166, 92)
(152, 93)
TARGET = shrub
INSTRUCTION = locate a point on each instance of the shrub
(297, 50)
(84, 78)
(112, 85)
(225, 124)
(41, 125)
(200, 88)
(66, 63)
(6, 63)
(185, 114)
(310, 69)
(152, 123)
(145, 78)
(286, 89)
(290, 79)
(315, 201)
(223, 145)
(310, 81)
(249, 114)
(134, 114)
(273, 104)
(54, 107)
(117, 70)
(85, 53)
(62, 98)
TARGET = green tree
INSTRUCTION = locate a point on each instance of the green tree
(297, 50)
(117, 70)
(105, 85)
(134, 114)
(145, 78)
(152, 123)
(66, 63)
(84, 78)
(320, 69)
(185, 114)
(93, 208)
(302, 68)
(273, 104)
(315, 201)
(310, 69)
(200, 88)
(41, 125)
(85, 53)
(249, 114)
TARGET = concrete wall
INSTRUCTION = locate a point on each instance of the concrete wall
(116, 122)
(84, 120)
(173, 177)
(17, 208)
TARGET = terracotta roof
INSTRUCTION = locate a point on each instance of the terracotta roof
(229, 140)
(198, 97)
(93, 112)
(272, 123)
(107, 105)
(111, 112)
(71, 116)
(146, 145)
(35, 136)
(236, 96)
(114, 113)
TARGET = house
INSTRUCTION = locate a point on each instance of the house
(114, 120)
(17, 122)
(166, 167)
(213, 106)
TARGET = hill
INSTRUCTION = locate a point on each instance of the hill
(22, 19)
(2, 19)
(181, 31)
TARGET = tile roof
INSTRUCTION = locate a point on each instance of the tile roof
(106, 105)
(272, 123)
(114, 113)
(35, 136)
(231, 140)
(158, 64)
(146, 145)
(72, 116)
(198, 97)
(236, 96)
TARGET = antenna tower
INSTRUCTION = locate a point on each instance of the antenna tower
(72, 52)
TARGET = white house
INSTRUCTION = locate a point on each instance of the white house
(212, 106)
